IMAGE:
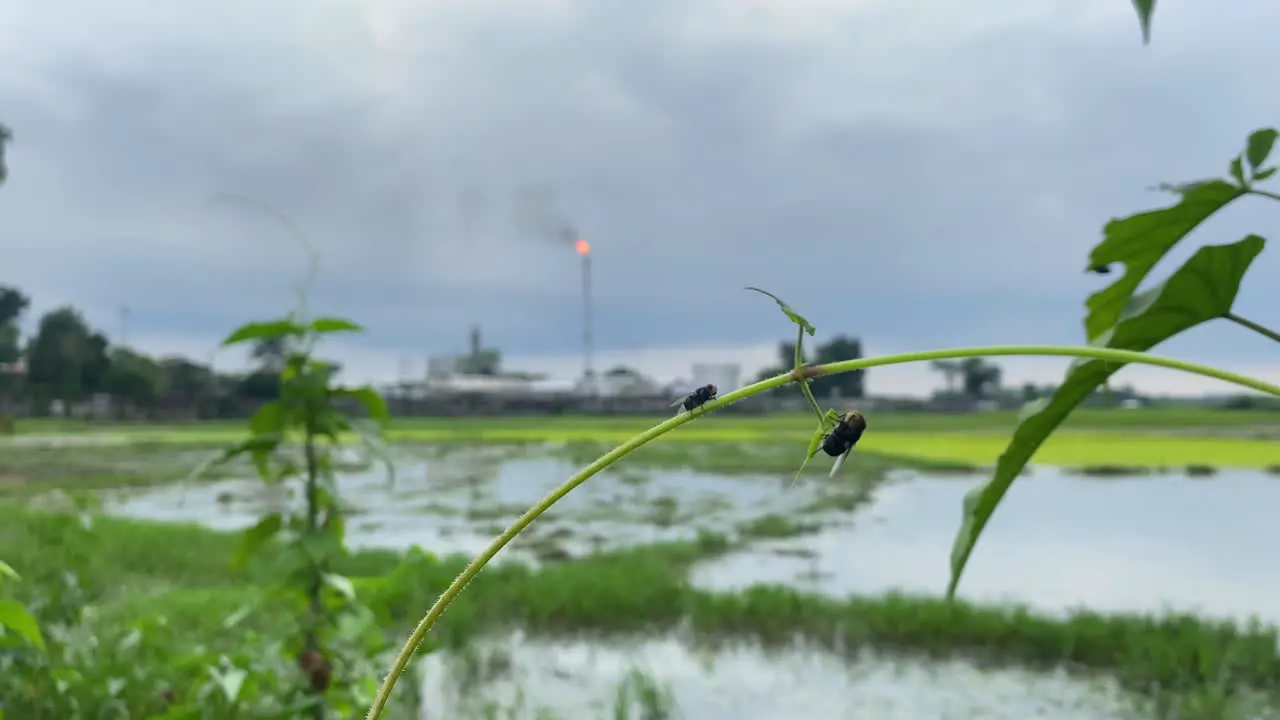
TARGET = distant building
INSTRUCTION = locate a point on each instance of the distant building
(478, 371)
(727, 377)
(625, 382)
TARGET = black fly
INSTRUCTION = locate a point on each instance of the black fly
(840, 441)
(697, 398)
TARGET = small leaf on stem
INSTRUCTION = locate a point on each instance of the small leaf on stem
(284, 327)
(371, 400)
(254, 538)
(815, 442)
(795, 317)
(326, 325)
(1203, 289)
(1258, 149)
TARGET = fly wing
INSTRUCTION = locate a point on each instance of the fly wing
(835, 468)
(678, 401)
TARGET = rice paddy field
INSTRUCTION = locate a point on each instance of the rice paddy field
(1128, 574)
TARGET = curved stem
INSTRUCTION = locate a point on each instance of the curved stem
(804, 386)
(473, 569)
(1263, 193)
(1245, 322)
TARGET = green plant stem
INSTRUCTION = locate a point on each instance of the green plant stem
(1244, 322)
(455, 588)
(315, 584)
(1263, 193)
(804, 386)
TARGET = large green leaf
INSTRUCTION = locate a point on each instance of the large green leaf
(1140, 241)
(14, 617)
(1203, 289)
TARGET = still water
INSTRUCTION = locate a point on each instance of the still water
(520, 678)
(456, 504)
(1056, 542)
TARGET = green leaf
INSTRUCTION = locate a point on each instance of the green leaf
(271, 418)
(14, 616)
(1145, 8)
(7, 571)
(1203, 289)
(254, 538)
(260, 330)
(1263, 174)
(1237, 171)
(795, 317)
(257, 445)
(815, 442)
(326, 325)
(230, 681)
(342, 584)
(1258, 149)
(371, 400)
(1140, 241)
(825, 423)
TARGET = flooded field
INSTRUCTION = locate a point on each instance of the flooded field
(518, 677)
(458, 502)
(1060, 542)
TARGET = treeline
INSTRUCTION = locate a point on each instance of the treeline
(66, 365)
(840, 347)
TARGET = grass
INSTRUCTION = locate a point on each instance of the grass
(1150, 438)
(1159, 418)
(143, 571)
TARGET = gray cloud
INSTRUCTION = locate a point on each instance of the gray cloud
(918, 175)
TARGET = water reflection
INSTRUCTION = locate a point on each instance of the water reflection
(578, 680)
(1056, 542)
(457, 502)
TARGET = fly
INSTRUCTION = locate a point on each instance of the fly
(697, 398)
(840, 441)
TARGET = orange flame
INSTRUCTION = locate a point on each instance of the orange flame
(582, 246)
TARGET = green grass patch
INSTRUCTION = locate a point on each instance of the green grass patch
(543, 427)
(1075, 448)
(1147, 438)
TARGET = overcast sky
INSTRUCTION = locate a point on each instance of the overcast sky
(919, 173)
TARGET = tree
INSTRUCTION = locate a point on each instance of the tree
(186, 383)
(66, 360)
(13, 302)
(840, 347)
(980, 378)
(134, 378)
(850, 385)
(950, 370)
(6, 135)
(786, 361)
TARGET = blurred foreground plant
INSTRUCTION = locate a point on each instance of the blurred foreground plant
(296, 437)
